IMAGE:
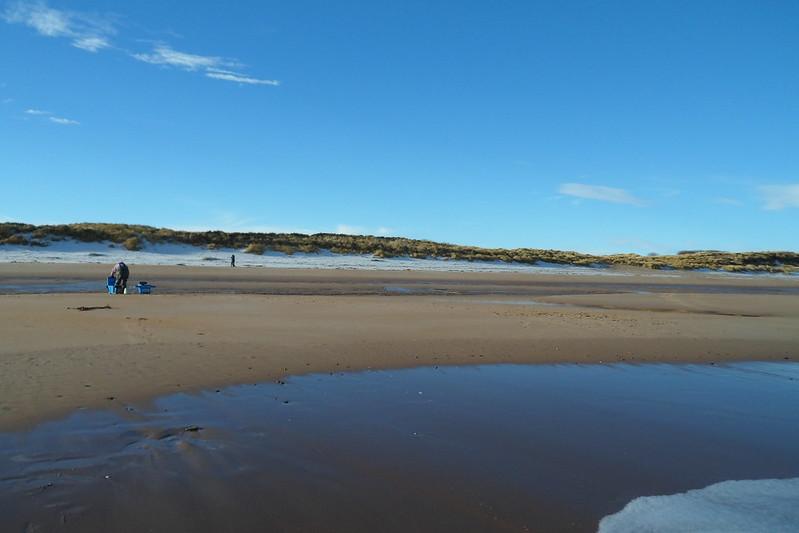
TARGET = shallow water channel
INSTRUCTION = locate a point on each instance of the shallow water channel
(481, 448)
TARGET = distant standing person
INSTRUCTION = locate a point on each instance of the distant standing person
(120, 273)
(232, 260)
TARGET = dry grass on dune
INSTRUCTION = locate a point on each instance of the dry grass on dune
(134, 237)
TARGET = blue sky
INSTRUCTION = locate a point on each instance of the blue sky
(598, 126)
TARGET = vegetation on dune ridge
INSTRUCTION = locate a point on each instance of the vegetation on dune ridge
(134, 237)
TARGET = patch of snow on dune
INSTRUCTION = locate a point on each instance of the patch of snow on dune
(71, 251)
(737, 506)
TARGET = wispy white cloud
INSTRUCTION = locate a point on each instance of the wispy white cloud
(91, 44)
(64, 121)
(215, 67)
(51, 117)
(87, 32)
(777, 197)
(723, 200)
(165, 55)
(238, 78)
(93, 33)
(46, 21)
(599, 192)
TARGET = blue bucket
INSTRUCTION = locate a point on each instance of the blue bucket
(144, 288)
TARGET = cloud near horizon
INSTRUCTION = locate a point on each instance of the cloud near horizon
(599, 192)
(245, 226)
(346, 229)
(778, 197)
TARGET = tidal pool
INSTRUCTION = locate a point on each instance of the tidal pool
(480, 448)
(55, 287)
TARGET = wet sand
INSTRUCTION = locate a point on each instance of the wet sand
(539, 448)
(48, 277)
(256, 325)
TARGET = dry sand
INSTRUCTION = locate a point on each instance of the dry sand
(229, 326)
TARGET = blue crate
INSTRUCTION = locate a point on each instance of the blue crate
(144, 288)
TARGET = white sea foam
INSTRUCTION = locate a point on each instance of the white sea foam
(751, 506)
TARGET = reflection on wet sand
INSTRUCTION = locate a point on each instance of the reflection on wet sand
(485, 448)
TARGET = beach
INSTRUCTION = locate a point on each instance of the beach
(399, 267)
(207, 328)
(248, 399)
